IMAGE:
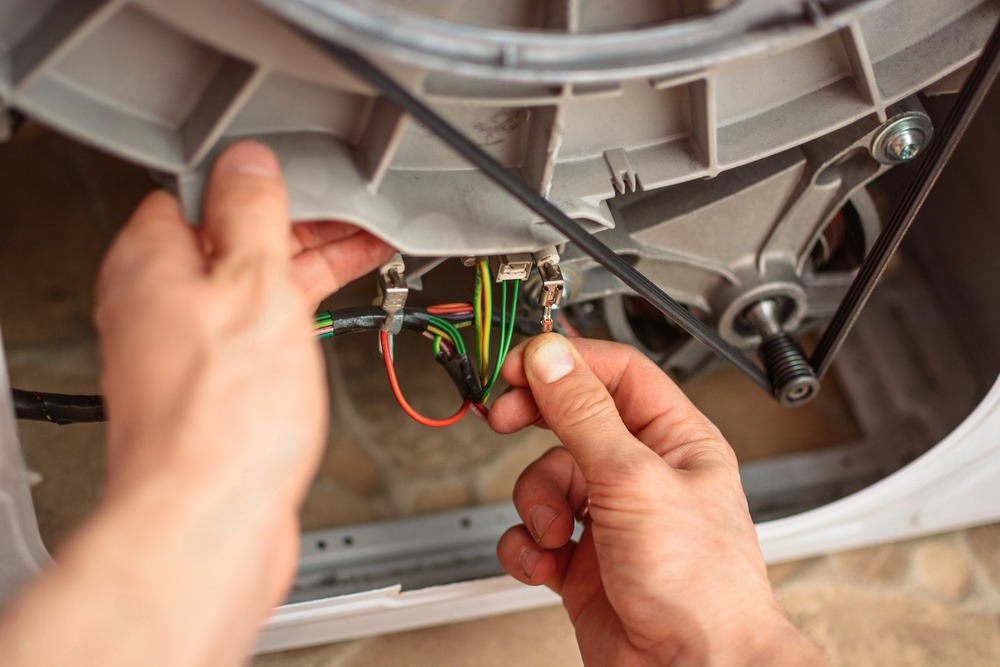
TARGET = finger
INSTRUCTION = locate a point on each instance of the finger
(312, 233)
(323, 270)
(524, 560)
(515, 410)
(548, 495)
(245, 210)
(651, 405)
(155, 240)
(578, 408)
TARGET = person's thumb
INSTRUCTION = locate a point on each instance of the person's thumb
(578, 408)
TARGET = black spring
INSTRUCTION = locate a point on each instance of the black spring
(792, 377)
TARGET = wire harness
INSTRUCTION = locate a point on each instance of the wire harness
(441, 324)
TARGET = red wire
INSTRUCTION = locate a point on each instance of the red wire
(449, 308)
(390, 370)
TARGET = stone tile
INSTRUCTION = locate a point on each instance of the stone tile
(872, 565)
(782, 572)
(942, 569)
(70, 459)
(61, 205)
(425, 495)
(495, 481)
(860, 627)
(328, 505)
(757, 427)
(347, 464)
(329, 655)
(985, 544)
(542, 637)
(364, 410)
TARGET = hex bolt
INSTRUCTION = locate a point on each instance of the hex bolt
(902, 138)
(793, 379)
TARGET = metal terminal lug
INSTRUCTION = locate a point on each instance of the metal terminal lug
(392, 293)
(514, 267)
(551, 292)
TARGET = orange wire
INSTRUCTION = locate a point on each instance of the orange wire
(449, 308)
(390, 370)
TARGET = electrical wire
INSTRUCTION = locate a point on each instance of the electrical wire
(506, 336)
(487, 313)
(504, 177)
(390, 370)
(450, 309)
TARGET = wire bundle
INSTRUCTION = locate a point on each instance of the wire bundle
(440, 323)
(443, 324)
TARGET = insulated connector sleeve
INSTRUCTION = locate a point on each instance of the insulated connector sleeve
(370, 318)
(59, 409)
(460, 369)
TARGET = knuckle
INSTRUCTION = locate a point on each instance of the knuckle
(581, 404)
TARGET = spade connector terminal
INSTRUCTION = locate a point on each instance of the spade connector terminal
(392, 293)
(552, 285)
(514, 267)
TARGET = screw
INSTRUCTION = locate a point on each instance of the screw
(902, 138)
(904, 145)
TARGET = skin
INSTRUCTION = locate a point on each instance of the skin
(217, 406)
(669, 569)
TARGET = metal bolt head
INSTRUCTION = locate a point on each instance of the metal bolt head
(905, 145)
(798, 392)
(902, 138)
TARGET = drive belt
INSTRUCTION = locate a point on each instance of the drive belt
(872, 268)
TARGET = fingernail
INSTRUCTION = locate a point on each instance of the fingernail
(552, 360)
(541, 517)
(529, 560)
(249, 157)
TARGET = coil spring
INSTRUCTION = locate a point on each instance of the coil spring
(792, 377)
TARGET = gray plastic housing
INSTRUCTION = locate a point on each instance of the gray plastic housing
(167, 84)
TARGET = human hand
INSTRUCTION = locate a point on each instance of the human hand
(214, 383)
(669, 569)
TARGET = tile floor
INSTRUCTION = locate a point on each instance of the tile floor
(931, 601)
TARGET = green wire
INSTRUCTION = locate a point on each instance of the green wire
(487, 296)
(475, 302)
(447, 327)
(506, 335)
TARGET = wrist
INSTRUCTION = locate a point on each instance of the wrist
(765, 638)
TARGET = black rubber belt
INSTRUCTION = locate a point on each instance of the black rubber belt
(935, 158)
(549, 212)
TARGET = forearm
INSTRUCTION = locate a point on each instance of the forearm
(162, 574)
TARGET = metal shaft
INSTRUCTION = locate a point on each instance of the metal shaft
(793, 380)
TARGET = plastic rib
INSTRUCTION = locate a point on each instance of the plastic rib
(549, 212)
(936, 157)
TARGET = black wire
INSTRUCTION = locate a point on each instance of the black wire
(65, 409)
(551, 213)
(59, 409)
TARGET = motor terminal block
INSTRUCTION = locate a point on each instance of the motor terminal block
(552, 285)
(514, 267)
(392, 293)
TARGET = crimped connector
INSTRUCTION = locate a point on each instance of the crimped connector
(393, 292)
(552, 287)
